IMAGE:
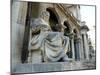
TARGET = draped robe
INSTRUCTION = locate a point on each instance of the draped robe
(53, 45)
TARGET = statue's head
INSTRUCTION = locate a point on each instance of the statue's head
(45, 16)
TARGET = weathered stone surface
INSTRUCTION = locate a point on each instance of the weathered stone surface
(52, 67)
(21, 68)
(53, 45)
(47, 45)
(17, 29)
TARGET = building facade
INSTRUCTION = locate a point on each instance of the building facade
(58, 18)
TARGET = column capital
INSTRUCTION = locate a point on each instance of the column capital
(71, 35)
(84, 33)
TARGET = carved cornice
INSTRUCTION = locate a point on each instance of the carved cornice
(68, 15)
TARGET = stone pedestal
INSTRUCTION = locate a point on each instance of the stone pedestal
(52, 67)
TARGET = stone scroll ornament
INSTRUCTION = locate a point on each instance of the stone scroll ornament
(53, 45)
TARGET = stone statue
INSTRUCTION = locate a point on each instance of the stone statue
(36, 42)
(44, 44)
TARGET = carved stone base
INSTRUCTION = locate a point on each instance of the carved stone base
(52, 67)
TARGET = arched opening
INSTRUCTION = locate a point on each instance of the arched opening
(67, 29)
(53, 21)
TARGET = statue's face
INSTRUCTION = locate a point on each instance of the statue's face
(45, 15)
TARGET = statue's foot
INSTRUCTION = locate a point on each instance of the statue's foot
(66, 59)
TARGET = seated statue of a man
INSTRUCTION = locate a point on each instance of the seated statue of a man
(46, 45)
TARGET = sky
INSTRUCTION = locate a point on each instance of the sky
(88, 15)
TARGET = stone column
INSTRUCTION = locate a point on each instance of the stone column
(86, 47)
(84, 28)
(72, 46)
(81, 47)
(18, 18)
(78, 48)
(19, 10)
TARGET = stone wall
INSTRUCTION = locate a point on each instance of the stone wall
(19, 10)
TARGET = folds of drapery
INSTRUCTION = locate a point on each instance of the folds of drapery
(54, 45)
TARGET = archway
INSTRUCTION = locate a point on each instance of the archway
(53, 20)
(67, 30)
